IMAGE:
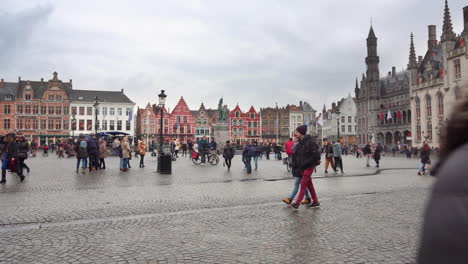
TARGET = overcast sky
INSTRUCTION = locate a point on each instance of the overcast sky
(250, 52)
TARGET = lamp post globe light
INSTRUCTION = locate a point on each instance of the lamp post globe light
(96, 104)
(164, 161)
(73, 126)
(338, 116)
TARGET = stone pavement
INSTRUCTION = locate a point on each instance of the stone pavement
(203, 214)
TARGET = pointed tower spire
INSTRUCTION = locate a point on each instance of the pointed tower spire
(357, 85)
(447, 30)
(413, 64)
(356, 89)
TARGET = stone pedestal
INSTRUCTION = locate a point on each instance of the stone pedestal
(221, 135)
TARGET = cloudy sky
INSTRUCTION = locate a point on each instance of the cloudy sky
(250, 52)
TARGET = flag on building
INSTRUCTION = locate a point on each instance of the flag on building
(389, 115)
(382, 116)
(399, 115)
(320, 119)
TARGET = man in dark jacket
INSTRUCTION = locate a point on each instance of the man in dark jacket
(306, 157)
(228, 154)
(9, 154)
(23, 150)
(93, 152)
(367, 152)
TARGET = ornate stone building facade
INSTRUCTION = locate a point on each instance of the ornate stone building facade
(438, 80)
(383, 104)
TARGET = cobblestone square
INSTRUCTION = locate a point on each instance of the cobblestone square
(204, 214)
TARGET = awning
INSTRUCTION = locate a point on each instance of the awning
(54, 135)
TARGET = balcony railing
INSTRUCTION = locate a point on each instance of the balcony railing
(429, 83)
(457, 52)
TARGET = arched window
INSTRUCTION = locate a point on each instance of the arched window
(237, 114)
(418, 108)
(428, 106)
(409, 116)
(241, 122)
(440, 104)
(235, 130)
(404, 117)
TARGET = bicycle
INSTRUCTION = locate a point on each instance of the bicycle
(288, 162)
(213, 159)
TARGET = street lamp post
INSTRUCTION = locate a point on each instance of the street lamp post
(338, 123)
(162, 101)
(73, 126)
(96, 104)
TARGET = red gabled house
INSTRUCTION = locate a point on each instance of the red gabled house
(244, 127)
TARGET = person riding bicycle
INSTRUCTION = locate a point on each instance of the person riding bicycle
(203, 148)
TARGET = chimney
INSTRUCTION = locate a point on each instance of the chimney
(121, 90)
(333, 107)
(420, 58)
(300, 104)
(393, 71)
(465, 16)
(42, 82)
(71, 83)
(389, 74)
(19, 79)
(432, 42)
(2, 84)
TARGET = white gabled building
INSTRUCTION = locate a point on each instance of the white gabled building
(115, 110)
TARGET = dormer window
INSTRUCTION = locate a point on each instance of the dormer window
(51, 97)
(8, 97)
(27, 97)
(252, 116)
(80, 97)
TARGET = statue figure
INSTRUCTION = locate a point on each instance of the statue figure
(222, 113)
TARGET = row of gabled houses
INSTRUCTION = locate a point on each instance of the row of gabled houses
(185, 124)
(267, 125)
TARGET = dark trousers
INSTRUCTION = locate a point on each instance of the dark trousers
(338, 162)
(142, 161)
(93, 161)
(22, 165)
(228, 162)
(268, 155)
(184, 153)
(377, 162)
(248, 165)
(102, 164)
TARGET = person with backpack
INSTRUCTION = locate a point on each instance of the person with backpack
(256, 151)
(306, 158)
(142, 151)
(228, 154)
(337, 156)
(247, 155)
(125, 154)
(297, 182)
(329, 157)
(93, 152)
(81, 150)
(267, 150)
(377, 154)
(23, 149)
(102, 154)
(367, 152)
(9, 155)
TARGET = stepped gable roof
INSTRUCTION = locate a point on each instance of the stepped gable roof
(237, 108)
(103, 96)
(294, 108)
(252, 110)
(10, 90)
(39, 88)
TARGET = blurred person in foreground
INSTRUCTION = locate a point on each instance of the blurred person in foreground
(445, 230)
